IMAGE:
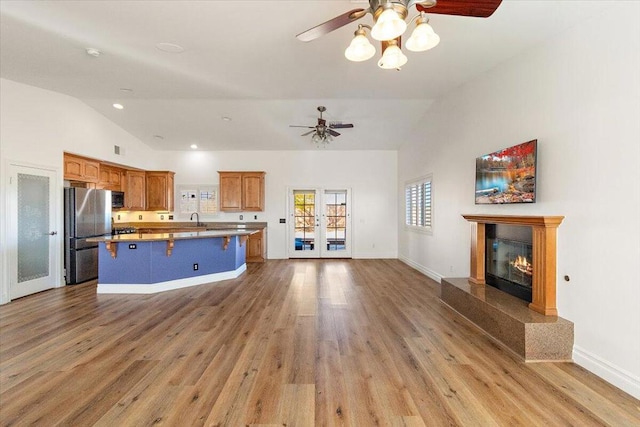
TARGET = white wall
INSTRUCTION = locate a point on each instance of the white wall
(579, 95)
(36, 126)
(371, 176)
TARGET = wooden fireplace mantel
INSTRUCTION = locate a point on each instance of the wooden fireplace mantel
(544, 255)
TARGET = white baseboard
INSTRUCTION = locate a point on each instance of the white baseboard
(422, 269)
(152, 288)
(620, 378)
(374, 255)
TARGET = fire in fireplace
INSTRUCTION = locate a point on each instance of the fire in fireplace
(508, 259)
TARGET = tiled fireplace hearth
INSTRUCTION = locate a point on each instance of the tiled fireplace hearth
(532, 330)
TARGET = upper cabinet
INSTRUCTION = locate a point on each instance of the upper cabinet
(253, 191)
(241, 191)
(159, 190)
(135, 190)
(111, 178)
(230, 191)
(143, 190)
(81, 169)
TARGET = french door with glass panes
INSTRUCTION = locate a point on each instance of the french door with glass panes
(319, 223)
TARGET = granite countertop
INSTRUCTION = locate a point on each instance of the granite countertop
(192, 225)
(151, 237)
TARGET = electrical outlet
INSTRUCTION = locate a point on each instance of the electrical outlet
(132, 246)
(118, 217)
(195, 266)
(140, 217)
(241, 217)
(170, 217)
(161, 217)
(283, 220)
(255, 217)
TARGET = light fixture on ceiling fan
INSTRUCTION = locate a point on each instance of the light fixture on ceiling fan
(389, 17)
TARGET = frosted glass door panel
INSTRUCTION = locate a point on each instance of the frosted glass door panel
(33, 227)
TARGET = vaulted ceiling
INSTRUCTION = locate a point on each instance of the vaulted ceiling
(241, 60)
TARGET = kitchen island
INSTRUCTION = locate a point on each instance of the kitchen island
(155, 262)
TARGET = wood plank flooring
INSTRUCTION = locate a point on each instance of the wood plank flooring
(290, 342)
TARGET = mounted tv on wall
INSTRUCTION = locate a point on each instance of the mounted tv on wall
(507, 176)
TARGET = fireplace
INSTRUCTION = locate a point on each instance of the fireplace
(524, 250)
(509, 254)
(543, 254)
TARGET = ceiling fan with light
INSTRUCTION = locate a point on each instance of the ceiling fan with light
(389, 26)
(323, 133)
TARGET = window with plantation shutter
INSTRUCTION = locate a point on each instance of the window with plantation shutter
(418, 204)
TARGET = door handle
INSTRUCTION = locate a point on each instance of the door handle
(53, 233)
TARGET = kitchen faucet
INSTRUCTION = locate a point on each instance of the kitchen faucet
(198, 223)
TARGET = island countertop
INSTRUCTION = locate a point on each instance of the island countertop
(153, 237)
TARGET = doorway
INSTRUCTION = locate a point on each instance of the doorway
(319, 223)
(33, 241)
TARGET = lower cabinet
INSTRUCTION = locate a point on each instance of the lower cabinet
(257, 246)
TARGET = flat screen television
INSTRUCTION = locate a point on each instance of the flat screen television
(507, 176)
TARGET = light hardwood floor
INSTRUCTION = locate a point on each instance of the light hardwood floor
(295, 343)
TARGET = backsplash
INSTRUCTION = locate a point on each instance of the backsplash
(148, 216)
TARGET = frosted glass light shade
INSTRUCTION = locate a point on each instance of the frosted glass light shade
(392, 58)
(423, 38)
(388, 26)
(360, 49)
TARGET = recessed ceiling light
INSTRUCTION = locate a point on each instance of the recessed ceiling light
(194, 146)
(226, 118)
(118, 106)
(93, 52)
(170, 47)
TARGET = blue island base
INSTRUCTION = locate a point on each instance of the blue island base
(143, 267)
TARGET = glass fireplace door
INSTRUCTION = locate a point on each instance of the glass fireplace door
(509, 266)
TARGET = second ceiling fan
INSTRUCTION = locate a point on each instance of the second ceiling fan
(323, 132)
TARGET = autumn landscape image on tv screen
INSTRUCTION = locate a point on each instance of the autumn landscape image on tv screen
(507, 176)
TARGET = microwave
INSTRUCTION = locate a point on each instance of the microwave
(117, 199)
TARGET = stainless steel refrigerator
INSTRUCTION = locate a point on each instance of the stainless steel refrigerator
(87, 214)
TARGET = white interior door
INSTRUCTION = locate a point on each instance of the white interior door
(319, 223)
(34, 241)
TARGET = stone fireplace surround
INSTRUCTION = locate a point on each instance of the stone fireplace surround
(533, 331)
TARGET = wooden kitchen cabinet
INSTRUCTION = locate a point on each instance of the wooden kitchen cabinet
(230, 191)
(253, 191)
(241, 191)
(135, 190)
(257, 246)
(78, 168)
(110, 178)
(159, 190)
